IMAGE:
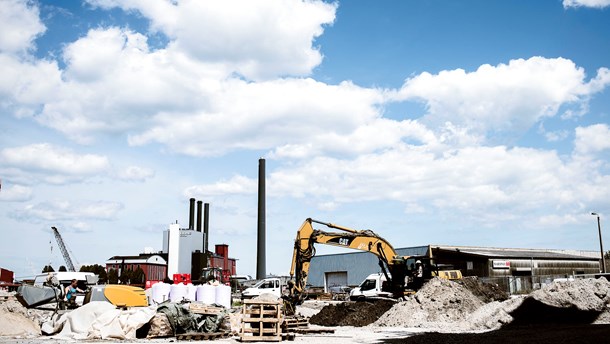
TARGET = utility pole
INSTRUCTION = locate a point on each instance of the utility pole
(601, 246)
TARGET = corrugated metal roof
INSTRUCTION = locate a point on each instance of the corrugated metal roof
(495, 252)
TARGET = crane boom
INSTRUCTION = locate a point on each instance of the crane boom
(64, 251)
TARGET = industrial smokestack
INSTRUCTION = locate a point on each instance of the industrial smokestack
(260, 247)
(192, 214)
(206, 223)
(199, 206)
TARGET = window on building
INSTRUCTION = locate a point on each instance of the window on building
(469, 266)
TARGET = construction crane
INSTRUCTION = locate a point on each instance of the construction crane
(63, 249)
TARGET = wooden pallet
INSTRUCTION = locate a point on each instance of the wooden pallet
(291, 323)
(261, 321)
(201, 308)
(202, 335)
(313, 330)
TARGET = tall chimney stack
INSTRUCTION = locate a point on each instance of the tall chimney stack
(260, 247)
(192, 214)
(206, 223)
(199, 206)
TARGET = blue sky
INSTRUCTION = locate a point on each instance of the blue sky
(461, 123)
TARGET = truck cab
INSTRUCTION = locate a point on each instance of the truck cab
(272, 285)
(373, 286)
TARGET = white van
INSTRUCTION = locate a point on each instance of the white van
(272, 285)
(372, 286)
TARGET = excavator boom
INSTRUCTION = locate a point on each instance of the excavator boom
(363, 240)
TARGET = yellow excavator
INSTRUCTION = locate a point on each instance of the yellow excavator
(394, 266)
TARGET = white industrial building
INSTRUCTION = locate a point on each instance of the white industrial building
(180, 244)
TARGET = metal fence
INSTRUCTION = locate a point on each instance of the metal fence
(516, 285)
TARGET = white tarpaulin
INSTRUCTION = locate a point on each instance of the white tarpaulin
(101, 320)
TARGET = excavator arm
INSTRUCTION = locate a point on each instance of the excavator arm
(363, 240)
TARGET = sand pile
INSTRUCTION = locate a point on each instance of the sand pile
(436, 307)
(585, 294)
(438, 303)
(581, 301)
(17, 321)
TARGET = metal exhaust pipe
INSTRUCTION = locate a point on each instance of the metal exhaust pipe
(199, 206)
(192, 214)
(206, 223)
(260, 247)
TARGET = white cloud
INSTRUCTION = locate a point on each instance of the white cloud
(61, 210)
(261, 39)
(586, 3)
(502, 100)
(136, 173)
(50, 163)
(15, 193)
(19, 25)
(592, 139)
(269, 114)
(237, 185)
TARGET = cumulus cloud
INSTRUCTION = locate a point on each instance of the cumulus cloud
(510, 183)
(592, 139)
(258, 40)
(502, 100)
(15, 193)
(19, 25)
(49, 163)
(265, 115)
(61, 210)
(136, 173)
(586, 3)
(237, 185)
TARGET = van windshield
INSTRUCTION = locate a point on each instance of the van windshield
(368, 284)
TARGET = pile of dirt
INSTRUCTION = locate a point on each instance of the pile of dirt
(17, 321)
(351, 313)
(438, 303)
(486, 292)
(581, 301)
(585, 294)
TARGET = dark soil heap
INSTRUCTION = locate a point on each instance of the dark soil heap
(356, 314)
(486, 292)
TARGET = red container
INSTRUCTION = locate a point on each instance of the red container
(182, 278)
(6, 276)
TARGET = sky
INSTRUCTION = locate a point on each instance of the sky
(481, 123)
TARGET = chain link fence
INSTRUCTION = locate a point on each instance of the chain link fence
(516, 285)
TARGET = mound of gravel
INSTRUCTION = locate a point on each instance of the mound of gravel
(17, 321)
(584, 294)
(438, 303)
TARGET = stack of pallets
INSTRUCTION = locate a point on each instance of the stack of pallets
(262, 321)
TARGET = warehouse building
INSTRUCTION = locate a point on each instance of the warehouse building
(515, 269)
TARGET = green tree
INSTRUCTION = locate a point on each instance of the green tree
(113, 276)
(137, 276)
(125, 276)
(62, 268)
(97, 269)
(48, 268)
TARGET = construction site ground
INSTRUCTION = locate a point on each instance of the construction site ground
(448, 312)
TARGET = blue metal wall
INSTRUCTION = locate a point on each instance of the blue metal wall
(357, 264)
